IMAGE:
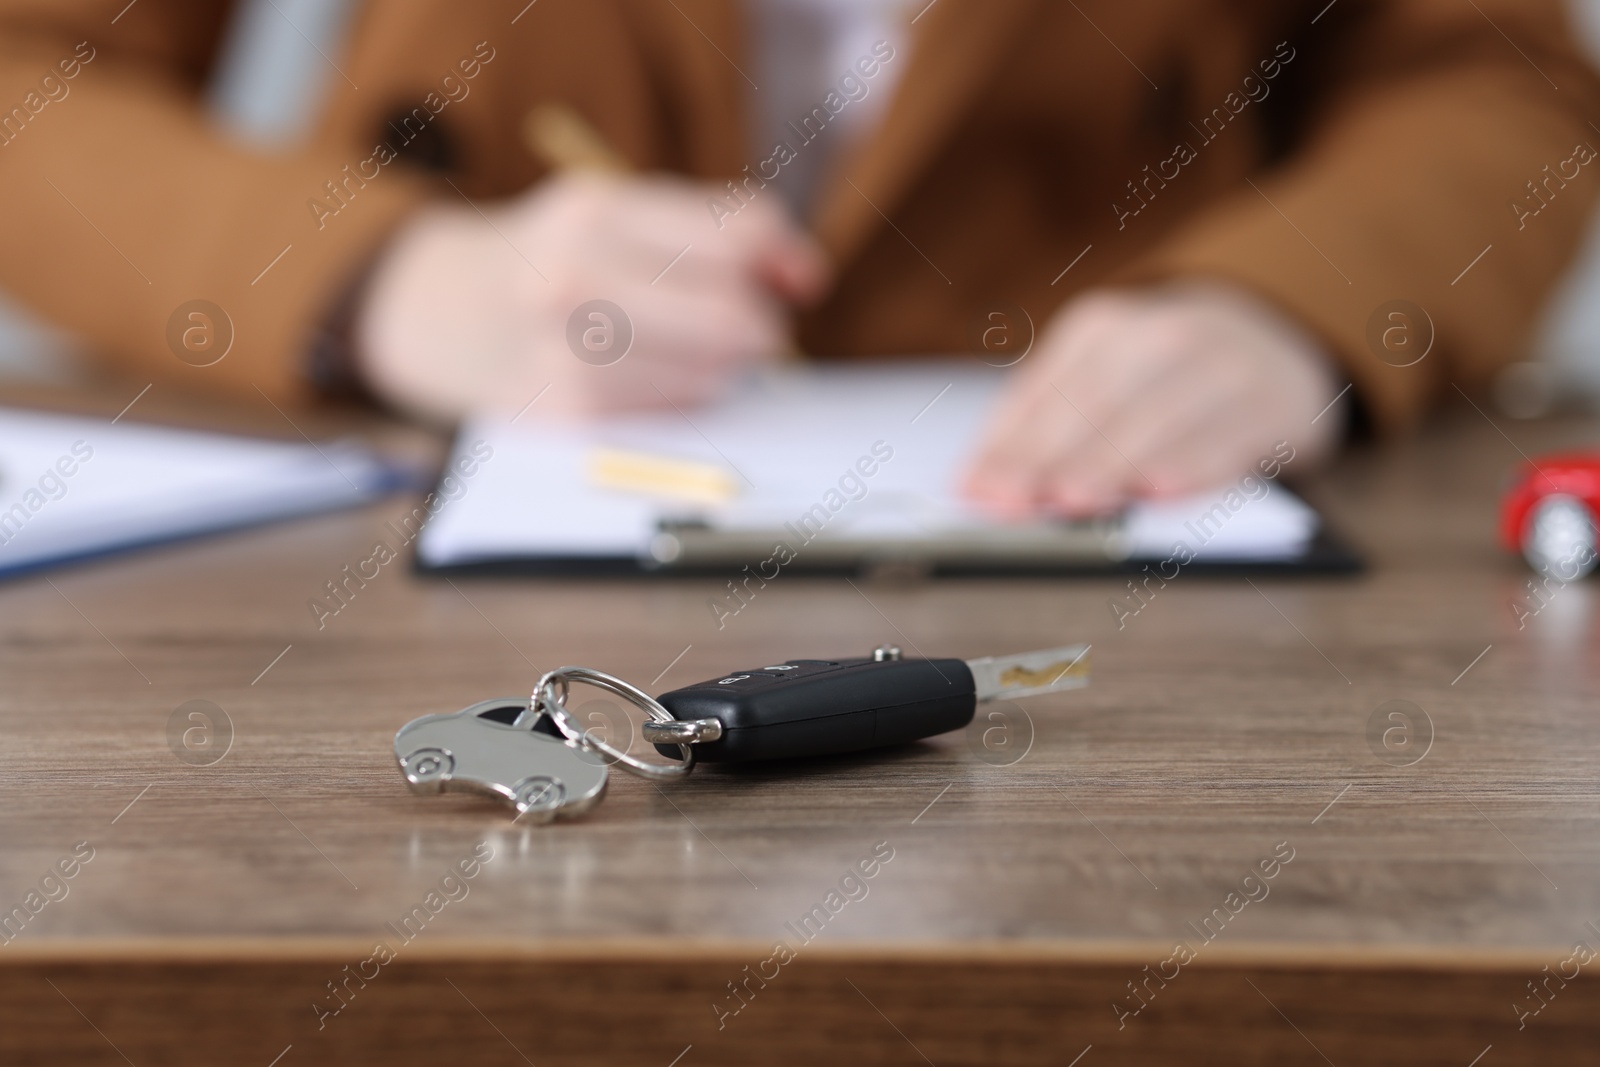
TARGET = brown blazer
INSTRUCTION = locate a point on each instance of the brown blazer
(1333, 157)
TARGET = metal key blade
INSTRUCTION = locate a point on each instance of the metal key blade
(1029, 673)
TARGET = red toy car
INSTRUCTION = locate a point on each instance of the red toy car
(1550, 514)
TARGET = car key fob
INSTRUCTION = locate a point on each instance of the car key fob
(811, 707)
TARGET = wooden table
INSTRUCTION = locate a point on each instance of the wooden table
(1229, 722)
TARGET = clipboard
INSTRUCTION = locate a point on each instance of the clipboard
(834, 470)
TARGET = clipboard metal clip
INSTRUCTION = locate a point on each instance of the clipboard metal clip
(692, 545)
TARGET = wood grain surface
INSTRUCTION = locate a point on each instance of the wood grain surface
(1040, 861)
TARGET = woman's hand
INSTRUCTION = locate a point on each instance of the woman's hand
(1158, 393)
(473, 311)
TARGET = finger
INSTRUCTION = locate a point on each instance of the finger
(1163, 387)
(715, 328)
(603, 263)
(584, 217)
(1197, 428)
(1103, 360)
(1025, 416)
(1101, 478)
(641, 389)
(788, 260)
(1215, 449)
(600, 229)
(1095, 478)
(668, 215)
(1202, 411)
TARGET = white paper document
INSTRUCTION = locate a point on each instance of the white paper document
(72, 487)
(865, 454)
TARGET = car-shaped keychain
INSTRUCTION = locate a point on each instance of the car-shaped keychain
(1549, 514)
(494, 748)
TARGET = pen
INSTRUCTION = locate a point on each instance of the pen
(564, 140)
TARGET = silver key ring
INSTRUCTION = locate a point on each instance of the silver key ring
(550, 697)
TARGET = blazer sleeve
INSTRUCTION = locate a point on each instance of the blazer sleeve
(124, 203)
(1444, 157)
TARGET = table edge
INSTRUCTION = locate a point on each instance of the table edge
(1054, 953)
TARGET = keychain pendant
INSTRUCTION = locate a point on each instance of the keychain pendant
(493, 749)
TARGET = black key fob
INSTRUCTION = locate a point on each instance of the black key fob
(810, 707)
